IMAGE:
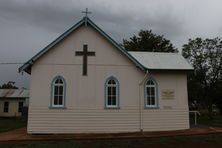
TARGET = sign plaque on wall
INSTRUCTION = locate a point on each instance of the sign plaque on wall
(168, 94)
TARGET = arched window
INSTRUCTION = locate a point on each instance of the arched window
(112, 93)
(58, 92)
(150, 93)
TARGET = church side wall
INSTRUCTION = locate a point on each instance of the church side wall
(85, 101)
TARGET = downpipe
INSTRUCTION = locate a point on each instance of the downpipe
(141, 101)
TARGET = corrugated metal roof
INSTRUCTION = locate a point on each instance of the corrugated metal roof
(14, 93)
(162, 61)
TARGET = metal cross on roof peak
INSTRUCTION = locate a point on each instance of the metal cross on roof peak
(87, 12)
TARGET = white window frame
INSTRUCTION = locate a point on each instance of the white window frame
(53, 92)
(154, 85)
(116, 86)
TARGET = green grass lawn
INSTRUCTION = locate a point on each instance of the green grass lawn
(215, 121)
(204, 141)
(7, 124)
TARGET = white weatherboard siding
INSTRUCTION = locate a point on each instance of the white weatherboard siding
(85, 98)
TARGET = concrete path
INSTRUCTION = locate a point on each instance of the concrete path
(21, 135)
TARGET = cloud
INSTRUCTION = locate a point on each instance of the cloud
(54, 17)
(27, 26)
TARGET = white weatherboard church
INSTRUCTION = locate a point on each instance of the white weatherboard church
(85, 82)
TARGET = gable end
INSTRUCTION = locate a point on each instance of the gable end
(85, 21)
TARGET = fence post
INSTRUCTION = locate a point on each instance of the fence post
(195, 116)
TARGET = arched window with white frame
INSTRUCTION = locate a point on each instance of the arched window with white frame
(58, 92)
(151, 93)
(112, 93)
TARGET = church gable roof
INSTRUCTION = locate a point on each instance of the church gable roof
(162, 61)
(85, 21)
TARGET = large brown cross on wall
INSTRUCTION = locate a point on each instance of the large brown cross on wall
(85, 53)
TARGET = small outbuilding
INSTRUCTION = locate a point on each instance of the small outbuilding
(12, 102)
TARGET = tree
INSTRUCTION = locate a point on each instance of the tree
(148, 41)
(206, 57)
(9, 85)
(218, 96)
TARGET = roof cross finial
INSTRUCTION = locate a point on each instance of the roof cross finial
(87, 12)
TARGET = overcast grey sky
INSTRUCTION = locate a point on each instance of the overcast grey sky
(27, 26)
